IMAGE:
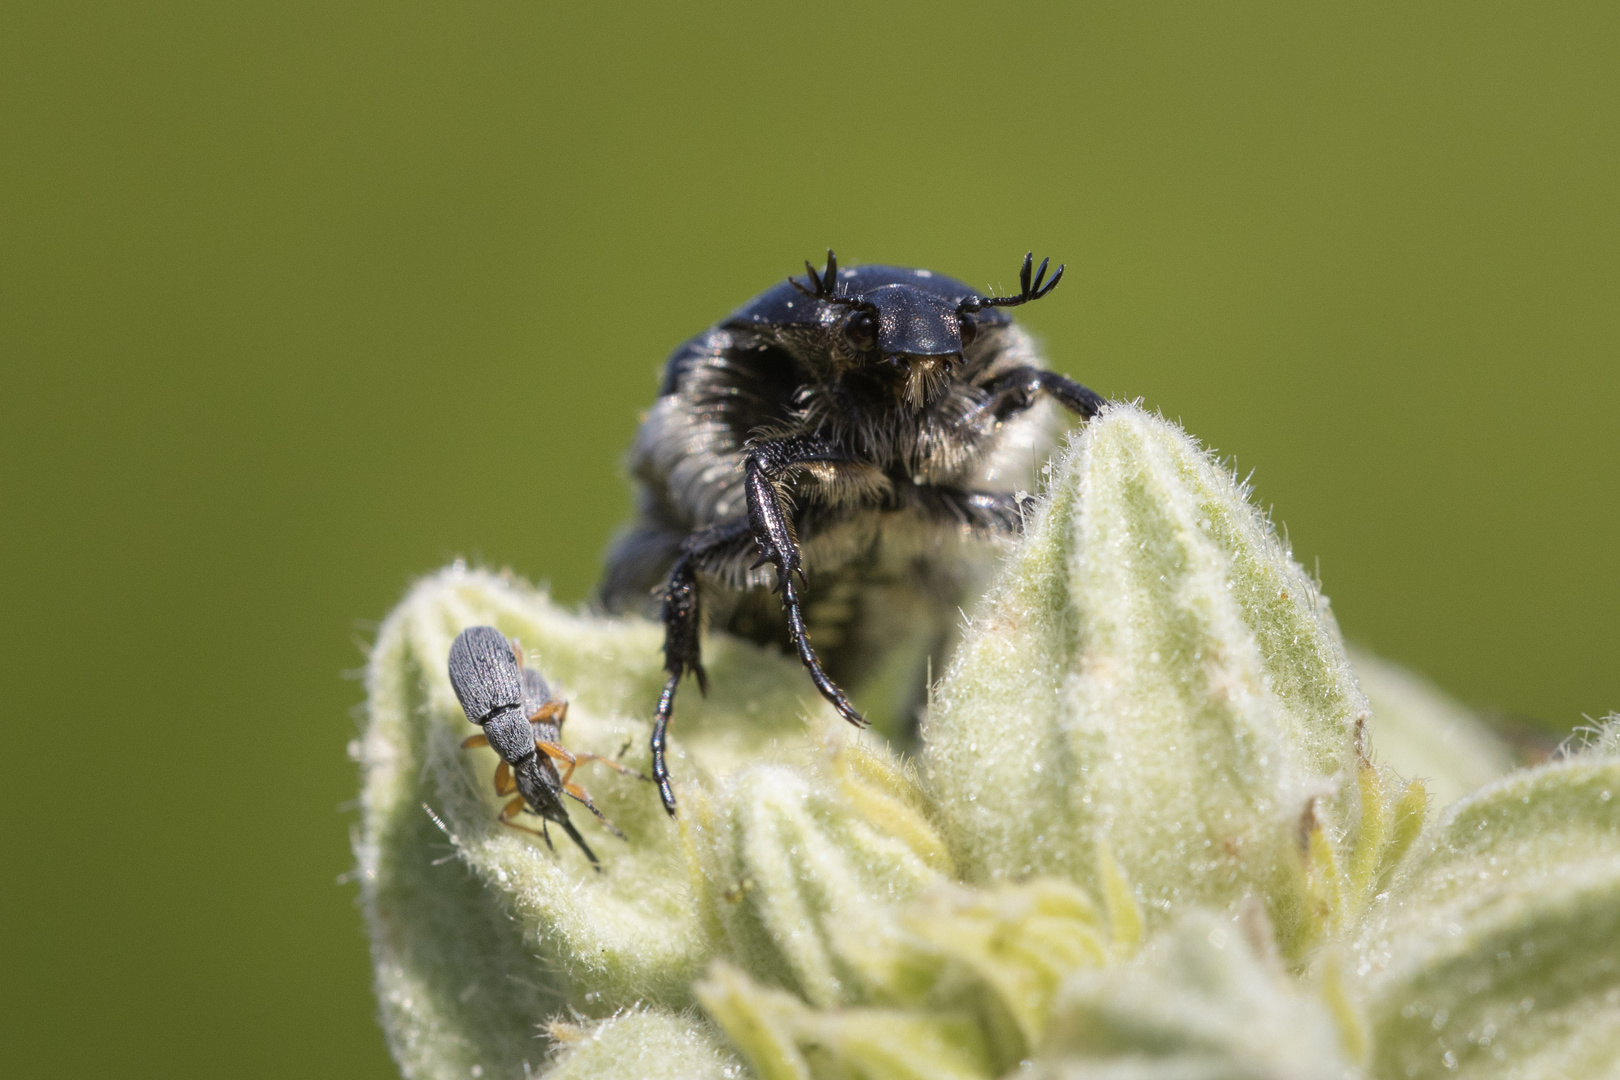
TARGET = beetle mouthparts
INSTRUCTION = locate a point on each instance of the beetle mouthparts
(927, 377)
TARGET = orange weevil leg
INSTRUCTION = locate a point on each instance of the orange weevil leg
(574, 760)
(557, 710)
(517, 653)
(610, 763)
(512, 810)
(552, 750)
(504, 784)
(474, 740)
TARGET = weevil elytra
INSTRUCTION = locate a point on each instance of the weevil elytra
(522, 723)
(847, 442)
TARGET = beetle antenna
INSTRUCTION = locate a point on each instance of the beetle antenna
(815, 279)
(824, 286)
(1030, 288)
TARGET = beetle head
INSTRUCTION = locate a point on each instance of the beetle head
(920, 337)
(917, 333)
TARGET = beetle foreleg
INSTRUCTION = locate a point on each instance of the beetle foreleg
(1016, 390)
(801, 641)
(666, 704)
(682, 613)
(682, 653)
(766, 464)
(985, 511)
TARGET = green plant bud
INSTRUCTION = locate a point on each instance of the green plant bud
(1603, 740)
(783, 1039)
(1004, 951)
(798, 881)
(479, 933)
(1390, 820)
(1153, 671)
(759, 1021)
(1150, 839)
(1421, 732)
(642, 1044)
(1204, 1000)
(1496, 952)
(995, 955)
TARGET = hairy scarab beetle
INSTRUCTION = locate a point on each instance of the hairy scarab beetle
(849, 442)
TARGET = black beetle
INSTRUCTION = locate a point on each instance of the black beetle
(850, 441)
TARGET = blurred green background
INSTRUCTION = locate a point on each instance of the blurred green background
(300, 300)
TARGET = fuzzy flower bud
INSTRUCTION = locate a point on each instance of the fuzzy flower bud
(1497, 949)
(1153, 671)
(1207, 999)
(478, 932)
(1156, 831)
(797, 882)
(1420, 732)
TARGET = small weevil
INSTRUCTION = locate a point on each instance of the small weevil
(522, 723)
(854, 442)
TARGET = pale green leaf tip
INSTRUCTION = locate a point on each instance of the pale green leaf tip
(1156, 829)
(644, 1044)
(1202, 1000)
(1421, 732)
(1152, 669)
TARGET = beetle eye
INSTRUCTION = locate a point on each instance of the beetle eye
(970, 330)
(860, 330)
